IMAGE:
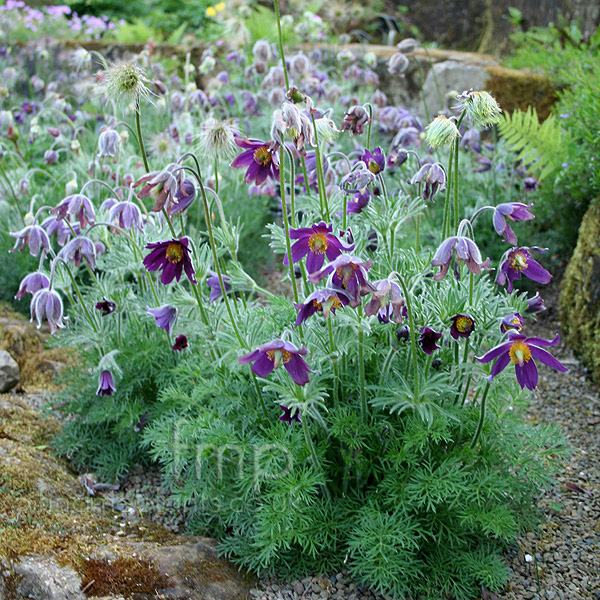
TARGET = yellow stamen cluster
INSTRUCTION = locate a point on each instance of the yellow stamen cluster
(464, 324)
(518, 262)
(519, 353)
(344, 273)
(281, 356)
(262, 156)
(317, 243)
(174, 253)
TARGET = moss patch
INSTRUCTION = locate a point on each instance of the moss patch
(580, 293)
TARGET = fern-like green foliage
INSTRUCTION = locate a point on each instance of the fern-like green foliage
(539, 145)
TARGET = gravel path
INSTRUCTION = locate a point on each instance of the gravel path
(562, 562)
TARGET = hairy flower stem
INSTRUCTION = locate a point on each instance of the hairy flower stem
(311, 446)
(361, 372)
(80, 298)
(334, 362)
(481, 416)
(413, 341)
(446, 222)
(138, 126)
(456, 173)
(280, 38)
(286, 227)
(320, 175)
(370, 109)
(15, 200)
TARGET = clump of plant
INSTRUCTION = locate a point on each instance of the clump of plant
(366, 416)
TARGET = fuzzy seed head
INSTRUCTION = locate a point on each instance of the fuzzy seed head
(481, 108)
(441, 132)
(126, 82)
(217, 139)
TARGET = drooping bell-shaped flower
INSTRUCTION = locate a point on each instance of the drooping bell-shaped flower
(47, 304)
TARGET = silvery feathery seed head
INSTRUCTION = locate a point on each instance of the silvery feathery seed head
(441, 132)
(124, 81)
(217, 139)
(481, 108)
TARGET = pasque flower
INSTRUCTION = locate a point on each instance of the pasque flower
(326, 300)
(215, 288)
(270, 356)
(535, 304)
(348, 273)
(428, 339)
(375, 160)
(109, 142)
(466, 251)
(165, 316)
(462, 326)
(259, 157)
(316, 242)
(186, 194)
(78, 249)
(512, 321)
(521, 350)
(441, 132)
(168, 182)
(518, 261)
(288, 417)
(481, 108)
(171, 257)
(434, 177)
(34, 237)
(46, 303)
(126, 215)
(106, 307)
(78, 206)
(181, 343)
(55, 226)
(386, 302)
(513, 211)
(32, 283)
(106, 384)
(355, 120)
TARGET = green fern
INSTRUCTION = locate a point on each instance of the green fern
(539, 145)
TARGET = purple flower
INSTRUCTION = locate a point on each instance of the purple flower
(46, 303)
(181, 343)
(484, 162)
(34, 237)
(172, 257)
(530, 184)
(535, 304)
(513, 211)
(78, 249)
(55, 226)
(518, 261)
(358, 202)
(386, 302)
(76, 205)
(165, 316)
(126, 215)
(407, 136)
(287, 416)
(271, 355)
(434, 176)
(106, 307)
(355, 120)
(348, 273)
(106, 384)
(316, 242)
(326, 300)
(215, 289)
(357, 180)
(259, 158)
(50, 156)
(520, 350)
(462, 326)
(428, 340)
(466, 251)
(185, 195)
(375, 160)
(512, 321)
(471, 140)
(397, 158)
(108, 143)
(167, 182)
(31, 284)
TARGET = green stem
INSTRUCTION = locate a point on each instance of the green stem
(455, 182)
(286, 226)
(281, 52)
(361, 373)
(446, 224)
(481, 416)
(413, 341)
(334, 362)
(80, 298)
(138, 126)
(370, 109)
(320, 175)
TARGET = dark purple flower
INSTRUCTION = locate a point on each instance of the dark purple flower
(172, 257)
(106, 384)
(316, 242)
(32, 283)
(106, 307)
(34, 237)
(518, 261)
(271, 355)
(287, 416)
(355, 120)
(348, 273)
(259, 158)
(76, 205)
(513, 211)
(215, 289)
(185, 195)
(46, 303)
(358, 203)
(126, 215)
(471, 140)
(530, 184)
(50, 156)
(466, 251)
(326, 300)
(397, 158)
(357, 180)
(78, 249)
(181, 343)
(428, 340)
(484, 162)
(375, 160)
(386, 302)
(165, 316)
(434, 177)
(462, 326)
(520, 350)
(535, 304)
(512, 321)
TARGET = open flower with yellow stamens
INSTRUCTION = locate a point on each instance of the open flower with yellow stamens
(518, 261)
(315, 242)
(462, 326)
(521, 350)
(327, 300)
(171, 257)
(270, 356)
(259, 157)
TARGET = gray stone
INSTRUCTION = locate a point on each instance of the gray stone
(9, 372)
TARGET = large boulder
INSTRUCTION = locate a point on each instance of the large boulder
(580, 293)
(9, 372)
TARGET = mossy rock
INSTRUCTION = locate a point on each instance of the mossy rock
(580, 293)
